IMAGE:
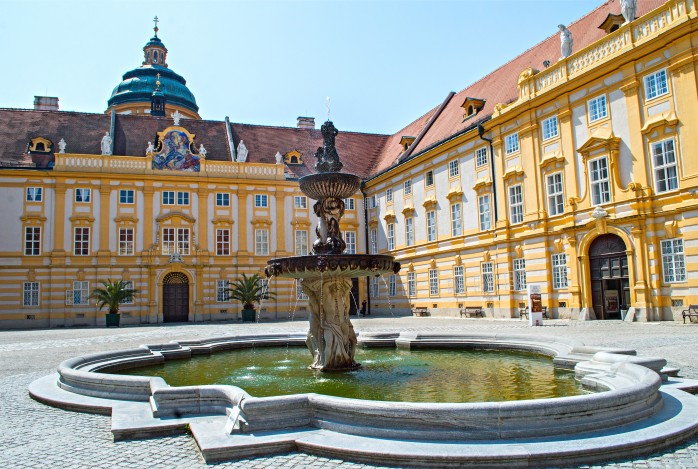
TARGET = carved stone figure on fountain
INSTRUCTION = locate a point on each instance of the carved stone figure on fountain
(327, 156)
(329, 211)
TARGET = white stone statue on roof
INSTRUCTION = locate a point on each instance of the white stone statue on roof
(202, 151)
(565, 41)
(177, 116)
(106, 144)
(279, 158)
(242, 152)
(151, 149)
(61, 146)
(628, 9)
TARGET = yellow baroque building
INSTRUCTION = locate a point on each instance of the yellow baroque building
(572, 173)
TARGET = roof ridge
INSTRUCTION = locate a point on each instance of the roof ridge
(355, 132)
(54, 111)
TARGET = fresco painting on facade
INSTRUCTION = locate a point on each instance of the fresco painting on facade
(175, 153)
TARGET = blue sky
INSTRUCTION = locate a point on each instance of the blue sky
(383, 63)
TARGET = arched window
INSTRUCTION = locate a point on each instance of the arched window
(40, 147)
(155, 56)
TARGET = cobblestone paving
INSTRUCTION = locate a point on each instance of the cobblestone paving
(37, 436)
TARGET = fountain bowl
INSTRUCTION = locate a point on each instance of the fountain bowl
(331, 265)
(323, 185)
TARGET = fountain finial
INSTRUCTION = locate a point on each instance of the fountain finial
(327, 156)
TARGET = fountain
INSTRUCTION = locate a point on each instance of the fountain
(326, 275)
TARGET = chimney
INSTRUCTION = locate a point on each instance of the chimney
(45, 103)
(306, 122)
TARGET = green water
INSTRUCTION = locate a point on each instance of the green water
(386, 374)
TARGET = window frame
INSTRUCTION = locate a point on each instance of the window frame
(657, 93)
(261, 246)
(516, 204)
(351, 244)
(433, 282)
(125, 244)
(511, 143)
(409, 231)
(594, 116)
(376, 288)
(85, 195)
(349, 204)
(168, 198)
(559, 271)
(37, 194)
(481, 157)
(556, 199)
(222, 199)
(547, 129)
(300, 242)
(32, 246)
(84, 244)
(83, 287)
(432, 231)
(458, 280)
(223, 247)
(261, 200)
(31, 296)
(127, 196)
(664, 167)
(519, 270)
(429, 175)
(300, 202)
(453, 168)
(484, 216)
(411, 284)
(487, 275)
(407, 187)
(390, 235)
(222, 286)
(389, 195)
(374, 241)
(456, 222)
(183, 198)
(128, 286)
(603, 184)
(392, 285)
(673, 259)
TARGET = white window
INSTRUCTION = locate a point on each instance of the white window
(182, 198)
(458, 280)
(300, 294)
(222, 290)
(82, 195)
(487, 277)
(556, 203)
(511, 143)
(183, 240)
(664, 160)
(483, 203)
(408, 187)
(349, 204)
(550, 128)
(673, 260)
(126, 241)
(223, 242)
(597, 108)
(263, 284)
(168, 198)
(453, 168)
(392, 286)
(261, 246)
(481, 157)
(409, 231)
(126, 196)
(656, 85)
(433, 282)
(34, 194)
(598, 179)
(376, 287)
(372, 202)
(374, 241)
(456, 220)
(559, 271)
(300, 201)
(81, 241)
(389, 195)
(431, 225)
(30, 294)
(80, 293)
(350, 238)
(175, 240)
(391, 236)
(128, 285)
(519, 274)
(515, 204)
(222, 199)
(411, 284)
(32, 240)
(301, 243)
(261, 200)
(429, 178)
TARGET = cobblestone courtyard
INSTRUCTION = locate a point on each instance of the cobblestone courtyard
(37, 436)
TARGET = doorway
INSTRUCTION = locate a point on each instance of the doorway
(175, 297)
(610, 281)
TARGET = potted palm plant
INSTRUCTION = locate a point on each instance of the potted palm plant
(112, 294)
(248, 291)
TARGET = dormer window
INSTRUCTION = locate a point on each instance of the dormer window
(406, 141)
(293, 158)
(612, 23)
(472, 106)
(40, 145)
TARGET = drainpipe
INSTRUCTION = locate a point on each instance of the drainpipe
(481, 134)
(368, 244)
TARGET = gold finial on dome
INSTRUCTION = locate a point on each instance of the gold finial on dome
(155, 20)
(157, 82)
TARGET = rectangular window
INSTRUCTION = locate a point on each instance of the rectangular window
(431, 225)
(182, 198)
(81, 292)
(487, 277)
(300, 201)
(388, 195)
(656, 85)
(433, 282)
(597, 108)
(349, 204)
(34, 194)
(32, 240)
(459, 280)
(559, 271)
(128, 286)
(183, 241)
(598, 180)
(350, 238)
(550, 128)
(263, 284)
(664, 160)
(409, 231)
(223, 242)
(30, 294)
(222, 199)
(453, 168)
(481, 157)
(456, 220)
(82, 195)
(372, 202)
(519, 274)
(483, 203)
(261, 200)
(126, 241)
(300, 294)
(429, 178)
(301, 243)
(81, 241)
(175, 240)
(391, 236)
(376, 287)
(556, 203)
(411, 284)
(168, 241)
(222, 290)
(511, 143)
(673, 260)
(126, 196)
(374, 241)
(515, 204)
(408, 187)
(392, 286)
(168, 198)
(261, 245)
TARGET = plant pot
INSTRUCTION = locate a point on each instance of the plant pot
(113, 319)
(248, 315)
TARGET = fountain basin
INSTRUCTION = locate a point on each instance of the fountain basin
(323, 185)
(331, 265)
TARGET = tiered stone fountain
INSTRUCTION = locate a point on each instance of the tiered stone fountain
(326, 274)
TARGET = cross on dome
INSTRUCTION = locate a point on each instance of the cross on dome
(155, 20)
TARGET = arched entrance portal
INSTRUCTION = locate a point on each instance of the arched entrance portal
(610, 284)
(175, 297)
